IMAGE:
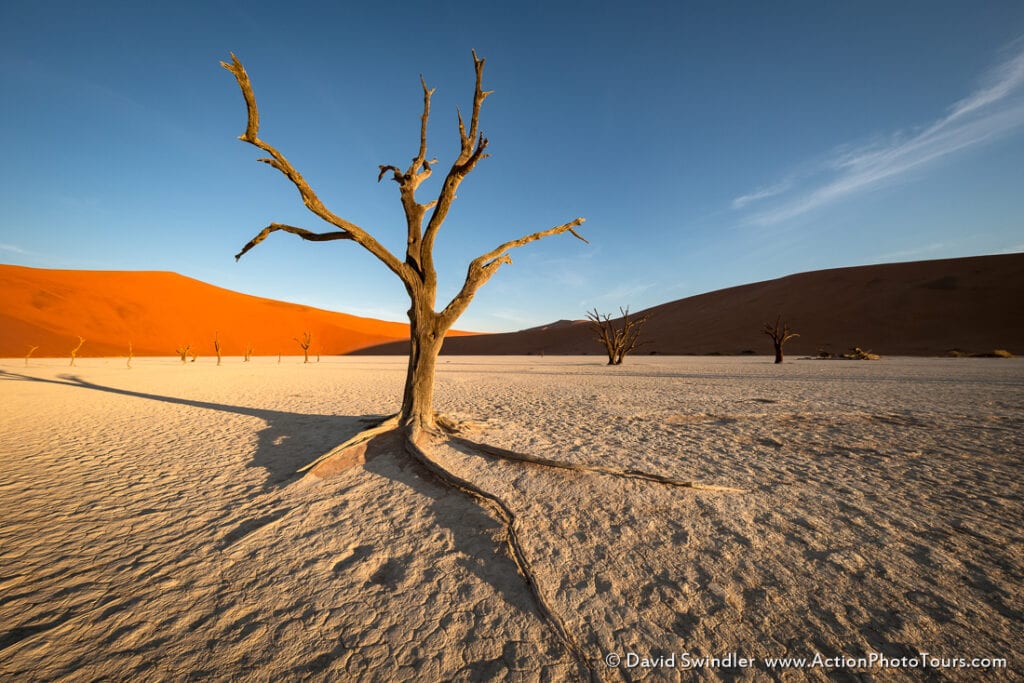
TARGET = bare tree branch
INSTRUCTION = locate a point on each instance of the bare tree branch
(408, 182)
(495, 254)
(420, 160)
(472, 146)
(384, 168)
(483, 267)
(309, 197)
(779, 336)
(301, 232)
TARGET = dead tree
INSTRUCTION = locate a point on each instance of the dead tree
(183, 352)
(416, 271)
(305, 342)
(216, 345)
(416, 422)
(130, 355)
(617, 341)
(248, 353)
(779, 336)
(74, 351)
(31, 350)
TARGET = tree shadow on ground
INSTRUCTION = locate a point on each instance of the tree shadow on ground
(287, 442)
(292, 440)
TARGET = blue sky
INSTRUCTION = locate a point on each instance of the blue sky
(708, 144)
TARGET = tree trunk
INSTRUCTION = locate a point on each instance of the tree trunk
(778, 352)
(426, 336)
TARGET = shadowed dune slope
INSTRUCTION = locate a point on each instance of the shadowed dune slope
(159, 311)
(973, 304)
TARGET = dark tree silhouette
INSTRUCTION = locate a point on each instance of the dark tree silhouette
(305, 342)
(216, 345)
(617, 340)
(779, 336)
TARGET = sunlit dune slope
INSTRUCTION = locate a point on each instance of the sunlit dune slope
(158, 312)
(925, 308)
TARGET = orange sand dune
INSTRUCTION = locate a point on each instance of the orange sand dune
(158, 312)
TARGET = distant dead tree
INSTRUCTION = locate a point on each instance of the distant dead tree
(416, 423)
(779, 335)
(130, 354)
(216, 345)
(307, 339)
(183, 352)
(31, 350)
(248, 353)
(617, 340)
(74, 351)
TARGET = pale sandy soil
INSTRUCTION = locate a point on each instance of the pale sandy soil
(150, 528)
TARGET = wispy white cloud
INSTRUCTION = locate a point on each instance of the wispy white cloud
(14, 249)
(994, 109)
(761, 193)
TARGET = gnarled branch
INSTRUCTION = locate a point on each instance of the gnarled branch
(472, 146)
(483, 267)
(408, 181)
(779, 336)
(309, 197)
(301, 232)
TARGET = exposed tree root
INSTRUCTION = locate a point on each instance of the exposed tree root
(594, 469)
(353, 452)
(348, 454)
(515, 547)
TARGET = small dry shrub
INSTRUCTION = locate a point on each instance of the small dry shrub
(858, 353)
